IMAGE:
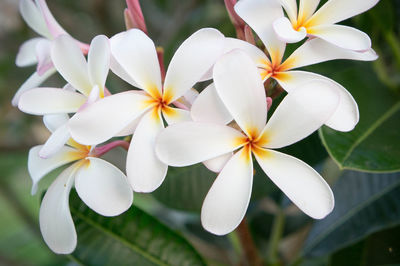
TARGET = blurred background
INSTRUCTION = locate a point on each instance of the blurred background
(169, 22)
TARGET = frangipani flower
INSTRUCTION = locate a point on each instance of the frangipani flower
(306, 21)
(140, 111)
(240, 88)
(101, 185)
(88, 78)
(311, 52)
(37, 50)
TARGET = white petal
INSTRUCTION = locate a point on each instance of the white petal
(70, 62)
(32, 82)
(118, 70)
(226, 202)
(284, 30)
(346, 115)
(307, 9)
(189, 143)
(290, 7)
(301, 183)
(55, 219)
(27, 53)
(300, 113)
(53, 26)
(260, 14)
(342, 36)
(240, 88)
(103, 187)
(55, 142)
(130, 129)
(43, 56)
(338, 10)
(136, 54)
(99, 60)
(52, 122)
(33, 17)
(314, 51)
(41, 101)
(256, 54)
(191, 95)
(208, 107)
(217, 164)
(144, 170)
(39, 167)
(99, 122)
(191, 61)
(175, 115)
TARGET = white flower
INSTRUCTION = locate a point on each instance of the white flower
(240, 88)
(306, 21)
(88, 78)
(101, 185)
(273, 66)
(37, 50)
(140, 111)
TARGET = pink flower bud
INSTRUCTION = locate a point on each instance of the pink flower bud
(134, 16)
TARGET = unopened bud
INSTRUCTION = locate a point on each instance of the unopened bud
(134, 16)
(237, 22)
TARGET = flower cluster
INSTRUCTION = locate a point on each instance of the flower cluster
(171, 124)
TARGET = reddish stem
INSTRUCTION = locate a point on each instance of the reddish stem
(248, 246)
(99, 151)
(160, 55)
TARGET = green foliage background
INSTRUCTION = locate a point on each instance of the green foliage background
(363, 229)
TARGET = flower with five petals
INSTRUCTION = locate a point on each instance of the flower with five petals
(37, 50)
(140, 111)
(240, 88)
(101, 185)
(88, 78)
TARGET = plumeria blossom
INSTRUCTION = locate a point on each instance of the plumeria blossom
(88, 78)
(37, 50)
(140, 111)
(283, 71)
(101, 185)
(241, 90)
(306, 20)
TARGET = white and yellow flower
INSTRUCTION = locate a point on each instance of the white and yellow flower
(88, 78)
(260, 14)
(305, 20)
(142, 111)
(37, 50)
(101, 185)
(240, 88)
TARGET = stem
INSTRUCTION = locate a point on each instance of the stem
(160, 55)
(247, 243)
(277, 230)
(99, 151)
(276, 92)
(394, 45)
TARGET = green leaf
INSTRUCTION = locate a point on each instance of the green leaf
(133, 238)
(365, 203)
(185, 188)
(374, 144)
(380, 248)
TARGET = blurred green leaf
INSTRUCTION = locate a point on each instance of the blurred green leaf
(374, 144)
(134, 237)
(381, 248)
(185, 188)
(365, 203)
